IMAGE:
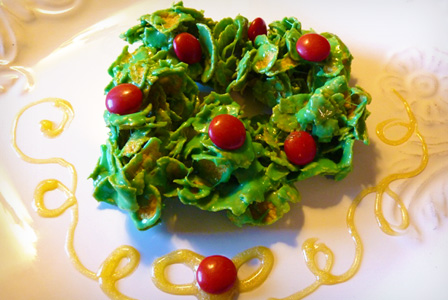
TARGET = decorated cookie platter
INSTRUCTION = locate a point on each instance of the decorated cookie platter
(378, 232)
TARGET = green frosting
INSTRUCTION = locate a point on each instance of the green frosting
(164, 150)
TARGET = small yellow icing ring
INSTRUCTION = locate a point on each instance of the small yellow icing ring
(192, 260)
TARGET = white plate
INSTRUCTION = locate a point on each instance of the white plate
(398, 45)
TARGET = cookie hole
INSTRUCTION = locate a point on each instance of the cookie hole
(250, 106)
(265, 162)
(123, 138)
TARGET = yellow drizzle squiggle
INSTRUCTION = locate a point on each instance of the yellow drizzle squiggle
(192, 260)
(109, 272)
(384, 185)
(311, 248)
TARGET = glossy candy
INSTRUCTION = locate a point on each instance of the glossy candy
(313, 47)
(124, 99)
(227, 132)
(257, 27)
(300, 147)
(216, 274)
(187, 48)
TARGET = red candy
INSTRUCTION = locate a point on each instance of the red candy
(257, 27)
(216, 274)
(300, 147)
(227, 132)
(187, 48)
(313, 47)
(124, 99)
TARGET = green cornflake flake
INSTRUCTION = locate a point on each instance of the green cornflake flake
(206, 39)
(266, 55)
(166, 21)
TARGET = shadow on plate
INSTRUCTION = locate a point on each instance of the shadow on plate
(320, 192)
(206, 232)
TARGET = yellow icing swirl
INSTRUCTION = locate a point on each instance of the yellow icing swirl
(108, 273)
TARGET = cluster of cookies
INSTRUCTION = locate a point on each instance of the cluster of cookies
(167, 141)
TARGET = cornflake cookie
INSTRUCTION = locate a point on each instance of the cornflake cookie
(165, 141)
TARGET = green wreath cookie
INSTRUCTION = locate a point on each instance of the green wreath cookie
(166, 141)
